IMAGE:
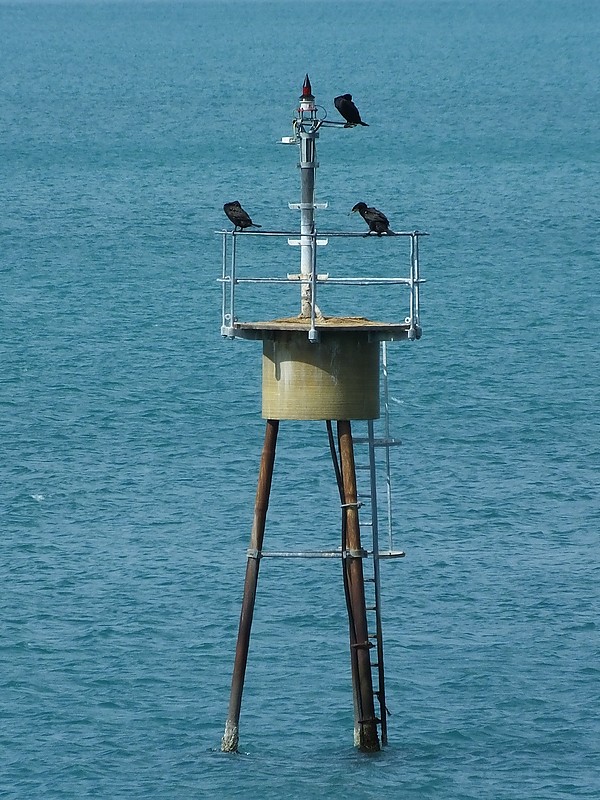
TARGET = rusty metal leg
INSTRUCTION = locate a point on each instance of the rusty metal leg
(351, 630)
(230, 739)
(367, 722)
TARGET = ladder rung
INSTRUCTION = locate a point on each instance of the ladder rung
(371, 608)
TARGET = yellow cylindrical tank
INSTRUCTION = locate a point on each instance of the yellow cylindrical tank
(336, 378)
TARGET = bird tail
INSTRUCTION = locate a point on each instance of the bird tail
(366, 124)
(391, 232)
(254, 225)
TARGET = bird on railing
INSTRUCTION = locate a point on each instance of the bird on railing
(376, 220)
(238, 216)
(348, 110)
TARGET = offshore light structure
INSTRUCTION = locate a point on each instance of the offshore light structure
(330, 369)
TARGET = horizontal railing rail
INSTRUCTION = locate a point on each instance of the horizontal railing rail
(230, 326)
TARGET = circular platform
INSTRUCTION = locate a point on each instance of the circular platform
(388, 331)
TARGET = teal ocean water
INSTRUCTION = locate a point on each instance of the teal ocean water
(131, 432)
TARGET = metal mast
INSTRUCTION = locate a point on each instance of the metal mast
(306, 126)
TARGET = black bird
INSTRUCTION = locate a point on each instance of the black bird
(376, 220)
(348, 110)
(238, 216)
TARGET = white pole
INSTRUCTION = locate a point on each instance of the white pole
(307, 130)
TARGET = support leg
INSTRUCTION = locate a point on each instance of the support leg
(231, 736)
(351, 628)
(367, 722)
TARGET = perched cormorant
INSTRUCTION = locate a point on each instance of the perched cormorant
(238, 216)
(348, 110)
(376, 220)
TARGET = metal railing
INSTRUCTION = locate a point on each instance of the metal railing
(230, 279)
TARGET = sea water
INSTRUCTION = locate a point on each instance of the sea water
(131, 432)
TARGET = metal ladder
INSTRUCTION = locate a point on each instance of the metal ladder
(369, 519)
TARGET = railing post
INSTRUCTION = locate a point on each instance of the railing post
(224, 286)
(232, 285)
(417, 284)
